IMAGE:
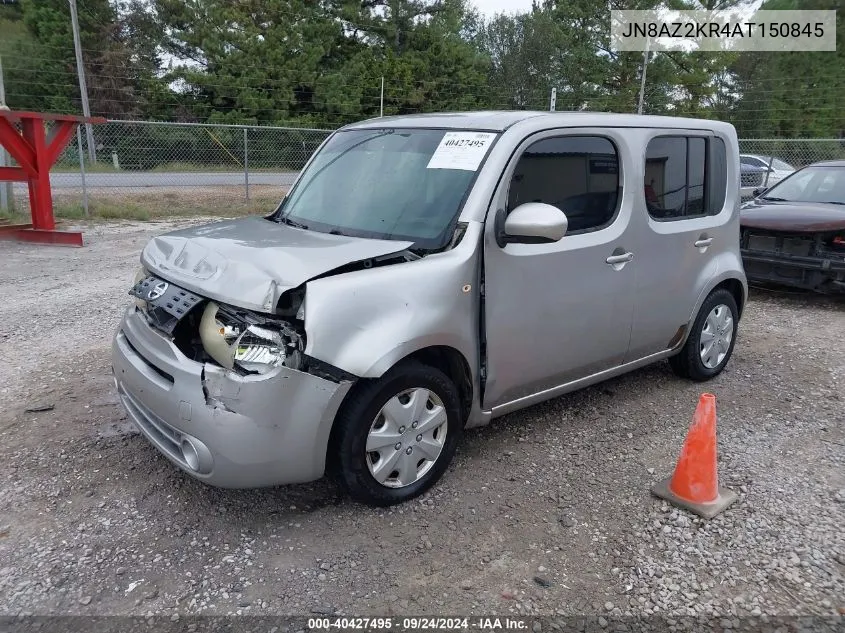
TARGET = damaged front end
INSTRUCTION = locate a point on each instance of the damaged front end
(237, 339)
(248, 341)
(808, 260)
(226, 393)
(243, 341)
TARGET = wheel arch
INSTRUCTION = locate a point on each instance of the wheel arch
(736, 288)
(452, 363)
(730, 281)
(447, 359)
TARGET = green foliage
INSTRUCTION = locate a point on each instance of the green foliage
(24, 61)
(119, 52)
(321, 64)
(793, 95)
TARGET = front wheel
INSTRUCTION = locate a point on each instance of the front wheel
(711, 341)
(395, 436)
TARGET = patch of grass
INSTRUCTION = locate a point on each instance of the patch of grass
(98, 211)
(183, 166)
(100, 167)
(105, 210)
(154, 206)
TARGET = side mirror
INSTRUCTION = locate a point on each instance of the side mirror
(530, 223)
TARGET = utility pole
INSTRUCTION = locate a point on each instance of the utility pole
(83, 88)
(642, 78)
(7, 193)
(381, 100)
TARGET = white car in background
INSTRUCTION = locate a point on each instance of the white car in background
(778, 169)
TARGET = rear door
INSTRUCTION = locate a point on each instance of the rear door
(686, 227)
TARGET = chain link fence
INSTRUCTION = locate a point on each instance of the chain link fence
(766, 161)
(154, 169)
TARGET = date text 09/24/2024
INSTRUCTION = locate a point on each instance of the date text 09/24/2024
(409, 624)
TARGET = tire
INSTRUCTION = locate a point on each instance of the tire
(688, 363)
(375, 411)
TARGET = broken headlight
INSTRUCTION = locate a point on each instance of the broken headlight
(259, 349)
(234, 341)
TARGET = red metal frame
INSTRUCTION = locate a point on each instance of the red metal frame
(36, 152)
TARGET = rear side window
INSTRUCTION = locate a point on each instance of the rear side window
(577, 174)
(696, 170)
(718, 185)
(685, 177)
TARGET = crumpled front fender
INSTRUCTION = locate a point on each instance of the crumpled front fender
(363, 322)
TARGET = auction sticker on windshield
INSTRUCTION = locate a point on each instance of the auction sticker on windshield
(461, 150)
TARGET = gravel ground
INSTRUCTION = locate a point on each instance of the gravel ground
(546, 511)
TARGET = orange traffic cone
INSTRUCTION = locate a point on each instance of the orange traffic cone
(694, 485)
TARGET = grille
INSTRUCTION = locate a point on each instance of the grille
(762, 243)
(797, 246)
(751, 179)
(802, 247)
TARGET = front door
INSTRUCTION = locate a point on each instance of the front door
(556, 312)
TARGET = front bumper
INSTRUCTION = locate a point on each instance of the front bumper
(225, 429)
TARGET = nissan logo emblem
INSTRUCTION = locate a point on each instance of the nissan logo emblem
(157, 291)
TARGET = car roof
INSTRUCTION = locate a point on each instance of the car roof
(828, 163)
(501, 120)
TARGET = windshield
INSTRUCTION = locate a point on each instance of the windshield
(811, 184)
(400, 184)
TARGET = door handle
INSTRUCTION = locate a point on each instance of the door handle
(703, 242)
(620, 259)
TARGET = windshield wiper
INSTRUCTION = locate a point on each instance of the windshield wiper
(293, 223)
(833, 202)
(774, 199)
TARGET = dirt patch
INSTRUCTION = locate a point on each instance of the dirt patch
(95, 521)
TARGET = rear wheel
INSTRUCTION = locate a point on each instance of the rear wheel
(396, 435)
(711, 341)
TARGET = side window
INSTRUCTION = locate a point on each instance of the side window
(577, 174)
(696, 166)
(666, 177)
(718, 172)
(685, 177)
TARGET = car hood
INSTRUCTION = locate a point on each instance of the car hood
(801, 217)
(250, 262)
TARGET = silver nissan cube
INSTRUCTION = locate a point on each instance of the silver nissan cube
(426, 274)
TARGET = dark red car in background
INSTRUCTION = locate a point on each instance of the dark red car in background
(794, 232)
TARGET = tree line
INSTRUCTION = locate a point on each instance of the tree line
(323, 63)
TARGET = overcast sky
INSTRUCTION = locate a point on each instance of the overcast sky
(490, 7)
